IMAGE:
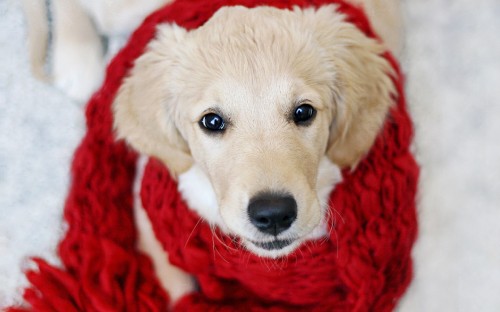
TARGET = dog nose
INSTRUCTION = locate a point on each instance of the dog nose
(272, 213)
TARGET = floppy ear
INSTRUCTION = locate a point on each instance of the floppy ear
(362, 87)
(145, 107)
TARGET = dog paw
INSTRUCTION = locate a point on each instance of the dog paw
(78, 69)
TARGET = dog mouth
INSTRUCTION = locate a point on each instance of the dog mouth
(273, 245)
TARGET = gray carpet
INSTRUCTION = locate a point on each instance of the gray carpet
(452, 61)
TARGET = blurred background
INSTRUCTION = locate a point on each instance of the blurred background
(452, 63)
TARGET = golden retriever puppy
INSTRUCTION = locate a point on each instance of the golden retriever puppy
(254, 113)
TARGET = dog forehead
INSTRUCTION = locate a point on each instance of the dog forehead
(259, 41)
(253, 96)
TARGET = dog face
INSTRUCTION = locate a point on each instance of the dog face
(261, 147)
(257, 99)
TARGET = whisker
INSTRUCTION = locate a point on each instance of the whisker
(333, 227)
(296, 258)
(214, 232)
(192, 231)
(247, 257)
(301, 253)
(265, 262)
(214, 248)
(337, 213)
(309, 248)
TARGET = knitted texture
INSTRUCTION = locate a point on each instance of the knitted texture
(364, 265)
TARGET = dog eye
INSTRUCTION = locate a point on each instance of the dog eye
(303, 114)
(212, 122)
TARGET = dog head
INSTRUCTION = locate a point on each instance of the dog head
(258, 99)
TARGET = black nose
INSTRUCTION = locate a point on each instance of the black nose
(272, 213)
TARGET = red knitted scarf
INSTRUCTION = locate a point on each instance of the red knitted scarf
(364, 266)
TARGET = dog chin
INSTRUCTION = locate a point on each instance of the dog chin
(272, 249)
(282, 247)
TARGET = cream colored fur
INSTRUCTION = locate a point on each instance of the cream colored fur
(253, 67)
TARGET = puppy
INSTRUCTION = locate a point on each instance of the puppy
(254, 113)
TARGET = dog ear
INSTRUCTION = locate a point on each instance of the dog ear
(145, 107)
(362, 87)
